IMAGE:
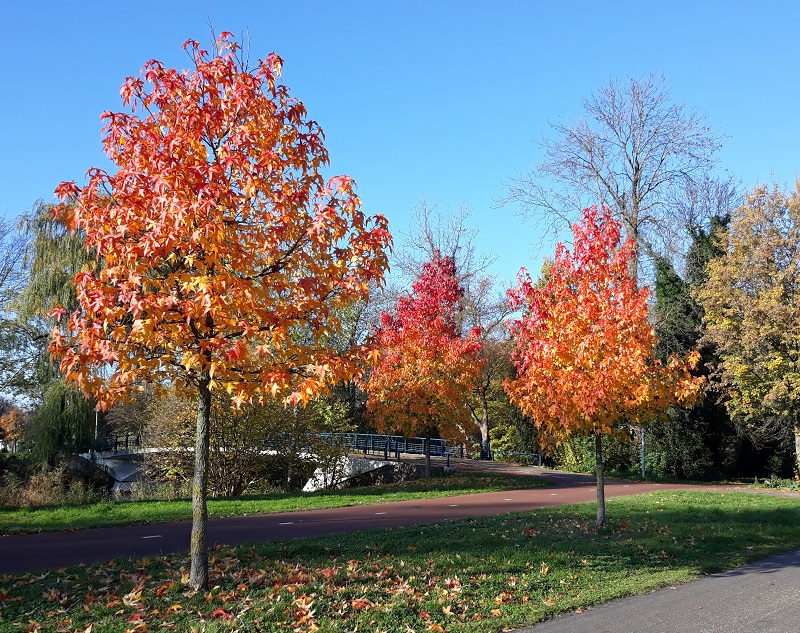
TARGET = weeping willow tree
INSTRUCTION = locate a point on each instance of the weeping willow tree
(63, 421)
(62, 424)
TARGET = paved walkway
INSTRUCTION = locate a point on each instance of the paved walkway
(763, 597)
(32, 552)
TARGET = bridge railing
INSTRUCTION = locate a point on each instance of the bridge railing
(386, 445)
(123, 442)
(367, 443)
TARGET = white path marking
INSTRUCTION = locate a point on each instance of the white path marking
(287, 523)
(153, 536)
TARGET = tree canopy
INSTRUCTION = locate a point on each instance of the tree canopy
(752, 312)
(635, 150)
(426, 369)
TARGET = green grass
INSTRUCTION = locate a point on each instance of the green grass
(475, 575)
(54, 518)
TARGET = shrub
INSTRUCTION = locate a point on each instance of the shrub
(53, 486)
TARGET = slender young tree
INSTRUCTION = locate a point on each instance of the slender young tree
(225, 254)
(426, 369)
(584, 348)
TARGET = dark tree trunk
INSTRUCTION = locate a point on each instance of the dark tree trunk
(427, 457)
(198, 552)
(601, 493)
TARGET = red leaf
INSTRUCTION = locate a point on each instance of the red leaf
(221, 613)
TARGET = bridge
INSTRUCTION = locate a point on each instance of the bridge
(119, 454)
(366, 443)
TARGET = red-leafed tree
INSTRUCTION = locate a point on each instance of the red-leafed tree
(225, 255)
(426, 368)
(584, 350)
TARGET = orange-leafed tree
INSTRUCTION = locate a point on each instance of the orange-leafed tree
(225, 254)
(584, 350)
(11, 426)
(426, 368)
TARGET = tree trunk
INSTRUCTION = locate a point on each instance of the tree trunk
(483, 424)
(796, 430)
(601, 493)
(427, 457)
(198, 552)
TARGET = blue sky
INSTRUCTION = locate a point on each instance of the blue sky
(441, 99)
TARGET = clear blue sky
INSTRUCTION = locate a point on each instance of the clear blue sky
(442, 99)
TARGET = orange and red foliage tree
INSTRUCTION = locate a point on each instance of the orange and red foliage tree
(225, 254)
(426, 368)
(584, 350)
(11, 426)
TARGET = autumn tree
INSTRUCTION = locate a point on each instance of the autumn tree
(12, 424)
(752, 313)
(426, 369)
(634, 150)
(482, 303)
(584, 348)
(224, 252)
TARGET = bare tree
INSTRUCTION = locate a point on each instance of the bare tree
(450, 233)
(635, 150)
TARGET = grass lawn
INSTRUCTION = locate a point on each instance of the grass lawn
(474, 575)
(46, 519)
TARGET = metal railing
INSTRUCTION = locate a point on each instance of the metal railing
(386, 445)
(367, 443)
(115, 443)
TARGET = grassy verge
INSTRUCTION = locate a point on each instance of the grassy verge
(776, 483)
(476, 575)
(47, 519)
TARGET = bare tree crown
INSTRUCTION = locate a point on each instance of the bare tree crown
(634, 150)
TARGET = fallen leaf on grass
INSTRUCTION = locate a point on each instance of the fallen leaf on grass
(132, 599)
(221, 613)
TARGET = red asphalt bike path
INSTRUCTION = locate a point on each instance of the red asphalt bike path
(34, 552)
